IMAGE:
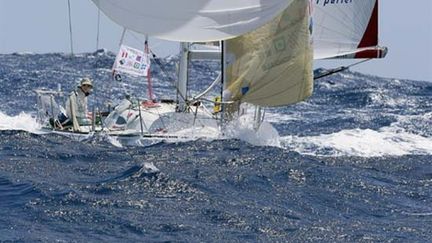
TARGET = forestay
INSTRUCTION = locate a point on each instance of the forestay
(272, 66)
(192, 20)
(346, 29)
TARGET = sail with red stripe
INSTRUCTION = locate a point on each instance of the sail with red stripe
(346, 29)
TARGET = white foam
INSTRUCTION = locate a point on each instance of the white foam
(147, 168)
(23, 121)
(379, 97)
(393, 140)
(281, 118)
(114, 141)
(195, 132)
(387, 141)
(242, 128)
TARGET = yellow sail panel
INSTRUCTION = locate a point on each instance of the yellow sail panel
(272, 66)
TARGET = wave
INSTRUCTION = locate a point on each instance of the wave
(408, 135)
(387, 141)
(22, 121)
(16, 194)
(243, 129)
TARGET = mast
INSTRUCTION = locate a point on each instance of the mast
(224, 83)
(182, 76)
(223, 71)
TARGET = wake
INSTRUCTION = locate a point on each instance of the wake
(394, 140)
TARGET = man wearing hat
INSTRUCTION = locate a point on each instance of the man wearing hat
(76, 104)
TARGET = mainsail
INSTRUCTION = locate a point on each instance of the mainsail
(346, 29)
(272, 66)
(192, 20)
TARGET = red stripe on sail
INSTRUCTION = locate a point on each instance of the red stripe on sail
(370, 37)
(372, 53)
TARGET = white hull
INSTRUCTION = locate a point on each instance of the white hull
(158, 121)
(149, 123)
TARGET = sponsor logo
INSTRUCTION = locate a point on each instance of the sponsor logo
(333, 2)
(244, 90)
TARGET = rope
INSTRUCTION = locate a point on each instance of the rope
(216, 81)
(360, 62)
(339, 69)
(164, 72)
(70, 27)
(198, 97)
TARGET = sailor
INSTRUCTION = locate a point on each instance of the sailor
(76, 104)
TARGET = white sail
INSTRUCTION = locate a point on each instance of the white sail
(346, 29)
(272, 66)
(192, 20)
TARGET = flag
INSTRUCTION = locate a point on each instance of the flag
(131, 61)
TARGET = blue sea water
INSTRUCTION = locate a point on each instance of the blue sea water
(354, 165)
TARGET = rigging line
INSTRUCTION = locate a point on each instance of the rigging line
(140, 117)
(113, 70)
(340, 69)
(165, 73)
(98, 29)
(359, 62)
(215, 82)
(138, 40)
(149, 80)
(122, 36)
(206, 109)
(195, 116)
(70, 27)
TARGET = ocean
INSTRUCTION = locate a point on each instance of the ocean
(351, 164)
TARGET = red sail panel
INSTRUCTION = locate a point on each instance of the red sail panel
(370, 37)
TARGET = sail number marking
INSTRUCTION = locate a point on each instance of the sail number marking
(325, 2)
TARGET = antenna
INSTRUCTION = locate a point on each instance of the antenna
(70, 27)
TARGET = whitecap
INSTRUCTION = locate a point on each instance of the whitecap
(23, 121)
(387, 141)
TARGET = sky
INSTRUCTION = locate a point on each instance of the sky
(41, 26)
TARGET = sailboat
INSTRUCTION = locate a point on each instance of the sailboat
(266, 50)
